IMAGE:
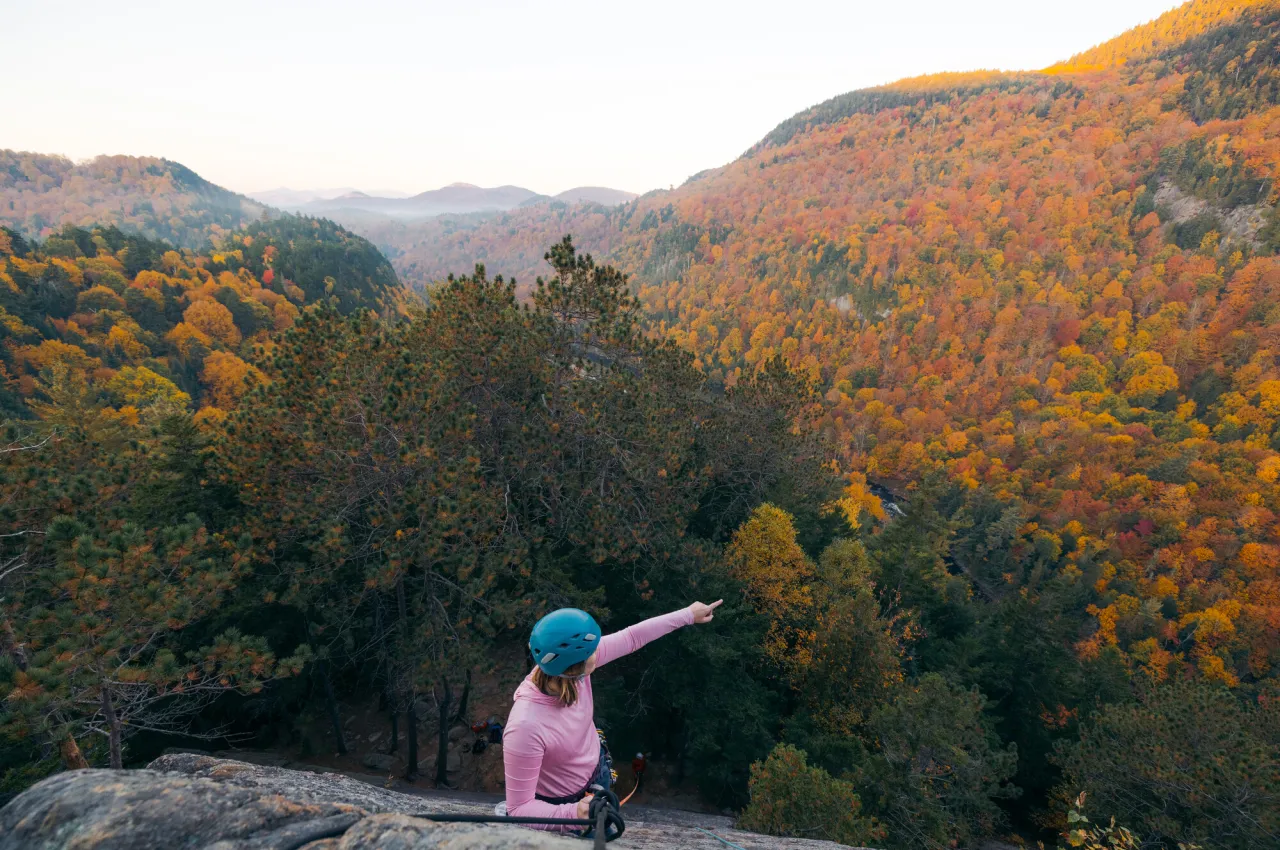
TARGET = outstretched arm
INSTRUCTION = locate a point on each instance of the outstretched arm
(632, 638)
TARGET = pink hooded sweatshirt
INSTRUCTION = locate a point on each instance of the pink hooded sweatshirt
(552, 749)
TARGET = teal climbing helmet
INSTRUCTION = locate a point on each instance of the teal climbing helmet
(562, 639)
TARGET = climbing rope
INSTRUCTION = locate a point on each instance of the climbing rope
(604, 822)
(718, 838)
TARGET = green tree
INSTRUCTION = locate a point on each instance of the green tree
(855, 659)
(98, 629)
(403, 514)
(1188, 762)
(790, 797)
(932, 767)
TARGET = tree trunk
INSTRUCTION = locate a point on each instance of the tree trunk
(411, 734)
(72, 758)
(411, 711)
(461, 713)
(442, 756)
(387, 697)
(331, 703)
(381, 639)
(113, 727)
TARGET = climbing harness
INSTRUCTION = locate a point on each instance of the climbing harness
(607, 756)
(604, 777)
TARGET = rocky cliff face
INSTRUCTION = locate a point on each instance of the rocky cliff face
(193, 801)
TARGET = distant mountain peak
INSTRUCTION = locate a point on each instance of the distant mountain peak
(462, 186)
(596, 195)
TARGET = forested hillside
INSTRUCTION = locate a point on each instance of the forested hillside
(155, 197)
(142, 323)
(1039, 311)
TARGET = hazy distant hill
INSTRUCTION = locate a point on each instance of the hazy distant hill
(361, 208)
(40, 193)
(158, 198)
(291, 199)
(455, 198)
(596, 195)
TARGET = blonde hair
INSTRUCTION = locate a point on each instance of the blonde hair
(563, 687)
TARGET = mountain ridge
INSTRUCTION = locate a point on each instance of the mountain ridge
(160, 198)
(460, 199)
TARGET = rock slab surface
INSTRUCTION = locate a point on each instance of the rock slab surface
(194, 801)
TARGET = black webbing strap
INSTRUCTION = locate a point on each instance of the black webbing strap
(604, 822)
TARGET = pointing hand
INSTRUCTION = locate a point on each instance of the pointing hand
(705, 613)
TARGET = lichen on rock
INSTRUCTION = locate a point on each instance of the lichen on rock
(226, 805)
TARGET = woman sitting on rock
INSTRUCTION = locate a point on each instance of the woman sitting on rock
(550, 747)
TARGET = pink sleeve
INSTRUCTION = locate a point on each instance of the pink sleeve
(522, 760)
(632, 638)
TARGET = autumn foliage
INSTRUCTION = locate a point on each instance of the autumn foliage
(963, 391)
(1041, 286)
(40, 194)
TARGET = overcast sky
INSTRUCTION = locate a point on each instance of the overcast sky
(414, 94)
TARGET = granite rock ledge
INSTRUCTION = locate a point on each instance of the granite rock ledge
(191, 801)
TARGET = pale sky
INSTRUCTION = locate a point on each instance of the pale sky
(394, 94)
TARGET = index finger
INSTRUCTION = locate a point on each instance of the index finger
(716, 604)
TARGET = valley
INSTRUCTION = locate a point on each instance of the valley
(962, 391)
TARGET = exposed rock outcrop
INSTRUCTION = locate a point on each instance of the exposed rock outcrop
(1239, 223)
(195, 801)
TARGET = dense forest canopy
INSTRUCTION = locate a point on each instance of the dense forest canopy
(108, 302)
(1038, 311)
